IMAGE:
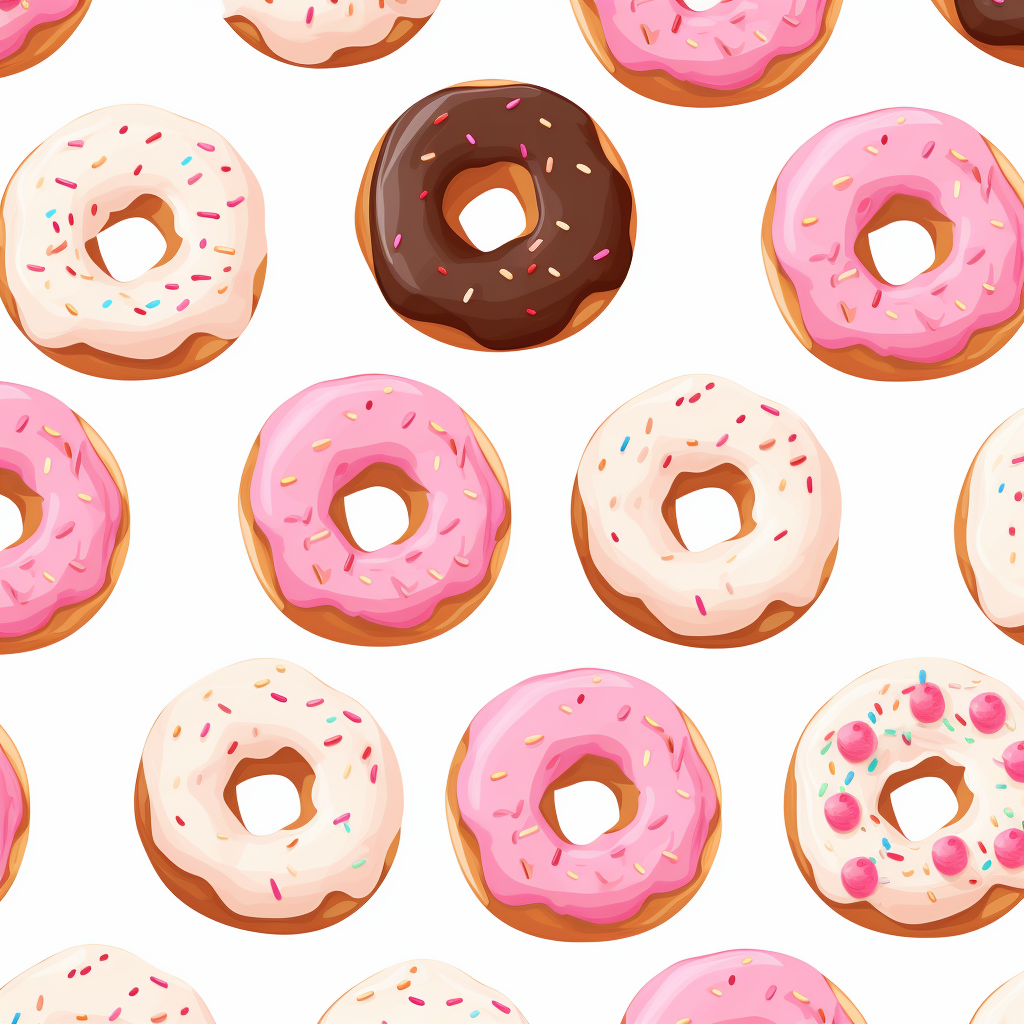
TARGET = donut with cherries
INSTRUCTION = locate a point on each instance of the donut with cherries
(741, 985)
(988, 517)
(403, 993)
(112, 165)
(733, 52)
(554, 731)
(268, 717)
(995, 26)
(544, 285)
(31, 31)
(14, 812)
(326, 33)
(339, 437)
(1004, 1006)
(74, 509)
(862, 174)
(686, 434)
(923, 718)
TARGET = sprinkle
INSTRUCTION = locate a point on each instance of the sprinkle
(840, 183)
(366, 580)
(639, 868)
(529, 831)
(891, 315)
(553, 272)
(996, 223)
(803, 999)
(472, 141)
(562, 225)
(572, 874)
(683, 794)
(530, 740)
(669, 856)
(700, 605)
(319, 446)
(507, 274)
(286, 480)
(398, 239)
(808, 221)
(544, 121)
(468, 295)
(497, 776)
(760, 35)
(428, 156)
(512, 104)
(601, 255)
(583, 167)
(958, 156)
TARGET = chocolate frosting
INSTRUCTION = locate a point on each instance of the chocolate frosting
(515, 300)
(991, 22)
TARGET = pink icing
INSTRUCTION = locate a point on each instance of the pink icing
(65, 561)
(530, 735)
(927, 703)
(1013, 761)
(859, 877)
(741, 986)
(16, 20)
(324, 437)
(726, 47)
(835, 184)
(11, 811)
(842, 812)
(988, 712)
(1009, 848)
(856, 741)
(949, 855)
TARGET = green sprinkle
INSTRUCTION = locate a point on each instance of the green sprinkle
(824, 786)
(969, 739)
(945, 722)
(333, 718)
(1000, 785)
(890, 732)
(825, 748)
(1008, 812)
(347, 829)
(359, 863)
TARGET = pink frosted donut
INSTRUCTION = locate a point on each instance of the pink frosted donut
(553, 731)
(30, 30)
(343, 436)
(858, 176)
(910, 720)
(14, 812)
(734, 52)
(741, 985)
(74, 508)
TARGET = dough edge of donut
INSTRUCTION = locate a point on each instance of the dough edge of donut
(43, 41)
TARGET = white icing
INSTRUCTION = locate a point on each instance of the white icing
(1004, 1006)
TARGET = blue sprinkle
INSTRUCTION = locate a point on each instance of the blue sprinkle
(986, 865)
(887, 844)
(333, 718)
(153, 304)
(849, 778)
(17, 1017)
(108, 303)
(624, 443)
(873, 765)
(1001, 486)
(50, 213)
(921, 676)
(872, 859)
(187, 160)
(1000, 785)
(871, 715)
(347, 829)
(475, 1013)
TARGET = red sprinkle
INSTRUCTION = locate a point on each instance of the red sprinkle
(438, 120)
(153, 138)
(332, 741)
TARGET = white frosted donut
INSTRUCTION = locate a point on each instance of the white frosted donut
(115, 163)
(1004, 1006)
(418, 991)
(269, 717)
(686, 434)
(98, 983)
(989, 516)
(925, 717)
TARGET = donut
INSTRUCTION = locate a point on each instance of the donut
(342, 436)
(74, 511)
(741, 985)
(30, 32)
(684, 435)
(14, 808)
(995, 26)
(1004, 1006)
(326, 33)
(923, 718)
(862, 174)
(269, 717)
(448, 149)
(734, 52)
(99, 983)
(398, 994)
(554, 731)
(108, 166)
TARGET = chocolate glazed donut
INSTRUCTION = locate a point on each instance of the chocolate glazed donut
(993, 22)
(537, 288)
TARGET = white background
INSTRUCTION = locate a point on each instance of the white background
(696, 300)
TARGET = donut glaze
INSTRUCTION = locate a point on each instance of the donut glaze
(1004, 1006)
(327, 437)
(993, 22)
(688, 433)
(866, 171)
(407, 991)
(99, 983)
(265, 717)
(76, 521)
(523, 742)
(14, 812)
(578, 243)
(30, 32)
(738, 985)
(121, 162)
(911, 719)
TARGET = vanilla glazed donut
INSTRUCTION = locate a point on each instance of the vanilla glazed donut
(98, 983)
(741, 985)
(267, 717)
(995, 26)
(909, 720)
(74, 509)
(404, 993)
(106, 167)
(31, 31)
(985, 529)
(556, 730)
(733, 52)
(862, 174)
(14, 812)
(686, 434)
(1004, 1006)
(327, 33)
(339, 437)
(540, 287)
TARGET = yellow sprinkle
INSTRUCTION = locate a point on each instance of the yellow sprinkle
(177, 778)
(639, 868)
(286, 480)
(931, 895)
(596, 679)
(260, 683)
(529, 831)
(51, 431)
(46, 465)
(782, 485)
(85, 497)
(364, 995)
(435, 574)
(956, 189)
(671, 856)
(841, 182)
(437, 462)
(716, 991)
(683, 794)
(562, 225)
(747, 960)
(366, 579)
(319, 536)
(583, 167)
(996, 223)
(871, 150)
(989, 287)
(319, 446)
(347, 771)
(226, 249)
(507, 274)
(572, 874)
(760, 35)
(565, 708)
(351, 415)
(651, 721)
(291, 871)
(647, 758)
(692, 42)
(803, 999)
(958, 156)
(428, 156)
(47, 576)
(959, 304)
(1013, 557)
(685, 1020)
(220, 835)
(544, 121)
(530, 740)
(829, 846)
(847, 274)
(468, 494)
(901, 119)
(74, 312)
(496, 776)
(208, 695)
(891, 315)
(388, 390)
(808, 221)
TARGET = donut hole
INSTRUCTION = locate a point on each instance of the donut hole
(588, 799)
(384, 505)
(700, 5)
(21, 509)
(709, 508)
(491, 205)
(907, 237)
(135, 239)
(276, 792)
(923, 799)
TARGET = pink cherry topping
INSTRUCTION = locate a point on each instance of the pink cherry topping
(856, 741)
(949, 855)
(988, 712)
(1013, 761)
(842, 812)
(1010, 848)
(927, 703)
(860, 877)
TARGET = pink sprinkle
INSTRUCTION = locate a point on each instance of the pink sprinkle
(768, 408)
(157, 981)
(779, 536)
(195, 178)
(38, 270)
(332, 741)
(314, 703)
(76, 565)
(601, 255)
(78, 144)
(508, 106)
(64, 530)
(210, 216)
(522, 149)
(20, 426)
(418, 1002)
(115, 1014)
(504, 1009)
(351, 717)
(472, 141)
(277, 696)
(232, 203)
(344, 817)
(274, 889)
(721, 440)
(225, 709)
(206, 146)
(455, 1002)
(181, 305)
(206, 729)
(65, 183)
(202, 243)
(700, 605)
(398, 239)
(373, 774)
(309, 16)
